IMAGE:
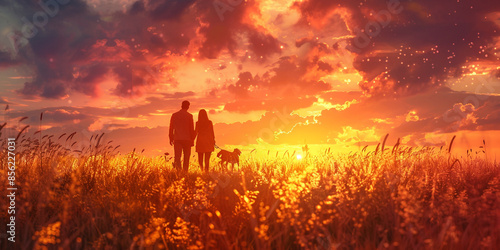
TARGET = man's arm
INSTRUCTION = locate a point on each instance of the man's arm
(196, 130)
(191, 129)
(171, 131)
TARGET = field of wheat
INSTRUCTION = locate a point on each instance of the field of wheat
(392, 197)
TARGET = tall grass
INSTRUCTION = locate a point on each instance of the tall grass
(93, 197)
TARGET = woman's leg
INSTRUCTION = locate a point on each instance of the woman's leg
(200, 160)
(207, 160)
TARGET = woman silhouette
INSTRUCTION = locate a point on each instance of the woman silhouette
(205, 138)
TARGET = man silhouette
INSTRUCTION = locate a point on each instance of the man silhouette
(181, 135)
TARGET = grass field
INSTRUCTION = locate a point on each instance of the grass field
(397, 197)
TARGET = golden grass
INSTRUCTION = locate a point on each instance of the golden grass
(405, 198)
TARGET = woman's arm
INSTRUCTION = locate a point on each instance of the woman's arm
(212, 131)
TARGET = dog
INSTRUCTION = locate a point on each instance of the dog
(229, 157)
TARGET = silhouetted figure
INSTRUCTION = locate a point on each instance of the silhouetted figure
(205, 140)
(181, 135)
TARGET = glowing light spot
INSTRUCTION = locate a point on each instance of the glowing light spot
(299, 157)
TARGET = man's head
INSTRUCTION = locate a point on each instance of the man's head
(185, 105)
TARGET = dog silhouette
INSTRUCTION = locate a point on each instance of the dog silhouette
(229, 157)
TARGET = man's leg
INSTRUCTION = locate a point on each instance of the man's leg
(186, 147)
(177, 154)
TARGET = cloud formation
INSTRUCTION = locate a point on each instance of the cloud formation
(78, 47)
(417, 47)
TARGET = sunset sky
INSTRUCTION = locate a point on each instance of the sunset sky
(283, 72)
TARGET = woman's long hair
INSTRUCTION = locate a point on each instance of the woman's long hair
(203, 116)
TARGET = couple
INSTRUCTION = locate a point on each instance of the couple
(182, 136)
